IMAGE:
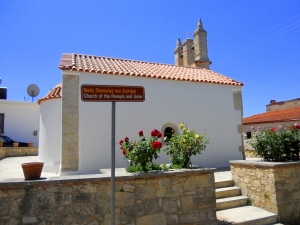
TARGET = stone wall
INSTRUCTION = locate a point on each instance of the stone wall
(158, 198)
(17, 151)
(283, 105)
(251, 154)
(271, 186)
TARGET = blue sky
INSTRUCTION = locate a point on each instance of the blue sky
(252, 41)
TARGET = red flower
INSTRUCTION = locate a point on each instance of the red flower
(121, 142)
(274, 129)
(153, 133)
(158, 135)
(126, 139)
(124, 152)
(156, 145)
(141, 133)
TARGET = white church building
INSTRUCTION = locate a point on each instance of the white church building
(75, 136)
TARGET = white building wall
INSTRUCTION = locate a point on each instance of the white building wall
(21, 119)
(255, 127)
(50, 135)
(202, 106)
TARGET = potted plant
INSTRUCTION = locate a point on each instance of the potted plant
(1, 143)
(16, 144)
(182, 146)
(141, 153)
(31, 144)
(32, 170)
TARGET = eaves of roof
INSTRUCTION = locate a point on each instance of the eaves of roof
(284, 115)
(54, 93)
(114, 66)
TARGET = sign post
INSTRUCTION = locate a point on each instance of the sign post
(110, 93)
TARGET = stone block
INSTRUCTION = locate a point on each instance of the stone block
(63, 198)
(3, 194)
(151, 206)
(100, 207)
(82, 197)
(152, 182)
(164, 183)
(128, 188)
(87, 188)
(172, 219)
(175, 191)
(190, 184)
(103, 192)
(161, 193)
(144, 192)
(169, 205)
(132, 212)
(28, 220)
(3, 206)
(124, 199)
(155, 219)
(187, 203)
(206, 180)
(289, 172)
(192, 217)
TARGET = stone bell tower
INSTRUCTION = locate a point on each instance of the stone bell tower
(200, 47)
(193, 53)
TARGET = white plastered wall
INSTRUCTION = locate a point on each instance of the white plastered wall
(256, 127)
(50, 135)
(21, 119)
(202, 106)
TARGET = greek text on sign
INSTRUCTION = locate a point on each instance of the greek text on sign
(110, 93)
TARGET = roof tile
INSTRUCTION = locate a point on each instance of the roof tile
(105, 65)
(55, 92)
(284, 115)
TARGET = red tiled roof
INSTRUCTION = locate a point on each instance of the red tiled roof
(105, 65)
(55, 92)
(284, 115)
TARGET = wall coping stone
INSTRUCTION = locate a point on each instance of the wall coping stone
(102, 177)
(261, 163)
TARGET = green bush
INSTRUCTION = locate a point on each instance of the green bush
(277, 144)
(182, 146)
(140, 154)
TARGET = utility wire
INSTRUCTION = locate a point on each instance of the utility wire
(262, 40)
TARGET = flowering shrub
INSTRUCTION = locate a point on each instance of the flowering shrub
(277, 144)
(182, 146)
(141, 153)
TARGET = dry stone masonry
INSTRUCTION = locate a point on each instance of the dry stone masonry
(271, 186)
(17, 151)
(160, 198)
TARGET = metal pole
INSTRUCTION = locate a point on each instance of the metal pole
(112, 181)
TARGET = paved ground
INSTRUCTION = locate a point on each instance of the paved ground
(11, 168)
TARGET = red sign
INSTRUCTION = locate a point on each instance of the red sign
(109, 93)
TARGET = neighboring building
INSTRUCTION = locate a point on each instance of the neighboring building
(75, 136)
(19, 120)
(278, 113)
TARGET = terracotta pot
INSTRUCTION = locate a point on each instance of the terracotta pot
(1, 144)
(30, 144)
(33, 170)
(16, 144)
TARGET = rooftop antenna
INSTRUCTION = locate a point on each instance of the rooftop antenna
(33, 90)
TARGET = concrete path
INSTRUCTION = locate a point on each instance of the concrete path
(10, 168)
